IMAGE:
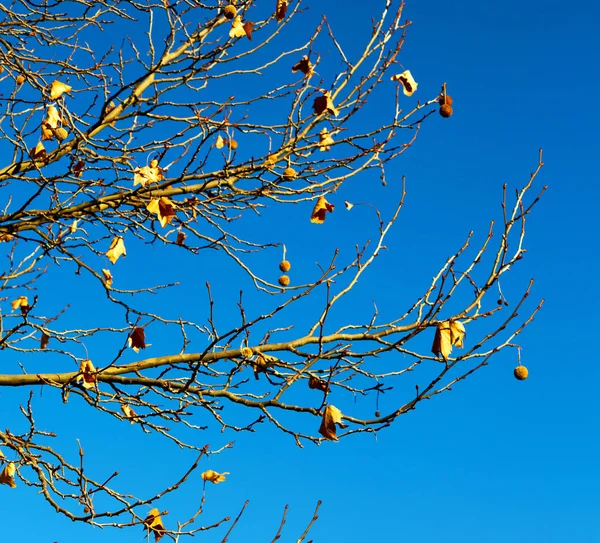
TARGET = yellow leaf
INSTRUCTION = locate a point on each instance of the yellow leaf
(57, 89)
(116, 249)
(457, 333)
(39, 152)
(21, 301)
(214, 477)
(7, 477)
(447, 334)
(325, 140)
(305, 66)
(281, 10)
(52, 117)
(221, 142)
(129, 413)
(147, 174)
(240, 29)
(154, 523)
(409, 85)
(163, 209)
(320, 210)
(331, 417)
(108, 278)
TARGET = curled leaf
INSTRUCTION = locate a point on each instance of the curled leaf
(331, 417)
(320, 210)
(325, 103)
(39, 152)
(240, 29)
(409, 85)
(262, 363)
(88, 374)
(153, 522)
(163, 209)
(116, 249)
(304, 66)
(129, 413)
(57, 89)
(147, 174)
(180, 238)
(108, 278)
(348, 205)
(325, 140)
(21, 302)
(7, 476)
(280, 10)
(318, 384)
(137, 339)
(448, 333)
(214, 477)
(44, 340)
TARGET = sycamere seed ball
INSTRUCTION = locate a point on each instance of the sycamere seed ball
(284, 280)
(445, 100)
(229, 11)
(521, 373)
(20, 79)
(446, 111)
(285, 266)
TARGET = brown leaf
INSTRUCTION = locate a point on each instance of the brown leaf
(39, 152)
(129, 413)
(239, 29)
(180, 238)
(324, 103)
(304, 66)
(153, 522)
(108, 278)
(320, 210)
(262, 363)
(280, 10)
(318, 384)
(409, 85)
(137, 339)
(248, 27)
(77, 168)
(44, 340)
(147, 174)
(331, 417)
(214, 477)
(7, 476)
(116, 249)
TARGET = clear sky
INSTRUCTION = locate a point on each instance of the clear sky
(495, 460)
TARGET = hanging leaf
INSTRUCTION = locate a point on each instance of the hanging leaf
(88, 374)
(148, 174)
(39, 152)
(153, 522)
(281, 10)
(21, 302)
(7, 476)
(180, 238)
(262, 363)
(325, 140)
(108, 278)
(44, 340)
(214, 477)
(57, 89)
(318, 384)
(447, 334)
(320, 210)
(163, 209)
(304, 66)
(129, 413)
(325, 103)
(331, 417)
(137, 339)
(409, 85)
(116, 249)
(240, 29)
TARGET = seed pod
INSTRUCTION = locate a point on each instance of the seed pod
(521, 373)
(285, 266)
(284, 280)
(61, 134)
(445, 100)
(446, 110)
(229, 11)
(289, 174)
(20, 79)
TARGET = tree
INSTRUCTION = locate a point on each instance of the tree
(174, 143)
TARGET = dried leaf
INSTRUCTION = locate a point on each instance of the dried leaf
(108, 278)
(262, 363)
(409, 85)
(320, 210)
(318, 384)
(73, 227)
(331, 417)
(180, 238)
(47, 133)
(239, 29)
(324, 103)
(88, 374)
(153, 522)
(7, 476)
(281, 7)
(129, 413)
(116, 249)
(221, 142)
(52, 117)
(39, 152)
(44, 340)
(147, 174)
(348, 205)
(77, 168)
(325, 140)
(304, 66)
(137, 339)
(6, 237)
(57, 89)
(21, 301)
(163, 209)
(447, 334)
(214, 477)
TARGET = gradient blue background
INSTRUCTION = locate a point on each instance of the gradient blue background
(495, 460)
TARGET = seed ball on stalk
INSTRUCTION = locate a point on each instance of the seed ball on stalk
(229, 11)
(446, 111)
(521, 373)
(284, 280)
(445, 100)
(285, 266)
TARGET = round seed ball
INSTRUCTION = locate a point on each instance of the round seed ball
(285, 266)
(446, 111)
(229, 11)
(521, 373)
(284, 280)
(445, 100)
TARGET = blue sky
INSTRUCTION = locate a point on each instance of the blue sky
(495, 460)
